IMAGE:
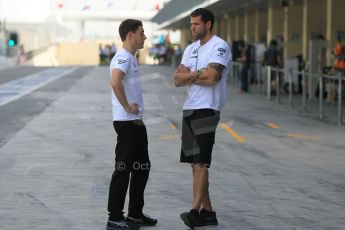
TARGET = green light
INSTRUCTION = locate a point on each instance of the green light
(11, 43)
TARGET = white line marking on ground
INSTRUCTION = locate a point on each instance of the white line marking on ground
(16, 89)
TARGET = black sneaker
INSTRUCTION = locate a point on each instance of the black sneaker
(207, 218)
(120, 225)
(143, 220)
(191, 218)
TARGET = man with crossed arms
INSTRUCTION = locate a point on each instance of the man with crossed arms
(203, 69)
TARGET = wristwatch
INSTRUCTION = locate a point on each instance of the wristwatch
(199, 73)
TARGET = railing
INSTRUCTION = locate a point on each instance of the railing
(340, 80)
(235, 73)
(264, 77)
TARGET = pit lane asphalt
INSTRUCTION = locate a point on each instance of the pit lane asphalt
(272, 168)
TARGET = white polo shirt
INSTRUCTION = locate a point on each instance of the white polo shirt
(196, 57)
(127, 63)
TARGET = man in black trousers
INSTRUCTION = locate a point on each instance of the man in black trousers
(132, 159)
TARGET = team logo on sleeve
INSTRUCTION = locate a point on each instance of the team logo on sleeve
(221, 52)
(121, 61)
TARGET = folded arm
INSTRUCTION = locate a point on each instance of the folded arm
(183, 76)
(211, 75)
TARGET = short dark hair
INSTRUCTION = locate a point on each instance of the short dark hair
(274, 43)
(128, 25)
(206, 15)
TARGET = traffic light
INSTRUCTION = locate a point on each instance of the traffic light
(12, 42)
(12, 39)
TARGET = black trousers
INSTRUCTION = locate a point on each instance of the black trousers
(132, 165)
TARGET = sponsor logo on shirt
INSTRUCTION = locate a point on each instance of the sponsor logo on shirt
(195, 53)
(221, 51)
(121, 61)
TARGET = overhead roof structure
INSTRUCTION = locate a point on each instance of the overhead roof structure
(177, 10)
(176, 13)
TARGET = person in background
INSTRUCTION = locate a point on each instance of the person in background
(102, 55)
(339, 53)
(272, 58)
(245, 59)
(112, 50)
(22, 55)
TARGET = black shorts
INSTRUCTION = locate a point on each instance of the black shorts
(198, 134)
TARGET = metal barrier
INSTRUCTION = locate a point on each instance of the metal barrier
(304, 93)
(340, 80)
(304, 75)
(236, 73)
(259, 75)
(235, 77)
(279, 73)
(322, 81)
(265, 73)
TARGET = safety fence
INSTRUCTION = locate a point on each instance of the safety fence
(265, 74)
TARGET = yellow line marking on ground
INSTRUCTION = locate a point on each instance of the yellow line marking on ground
(232, 133)
(301, 135)
(170, 137)
(272, 125)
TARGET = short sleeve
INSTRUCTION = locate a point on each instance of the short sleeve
(120, 62)
(221, 54)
